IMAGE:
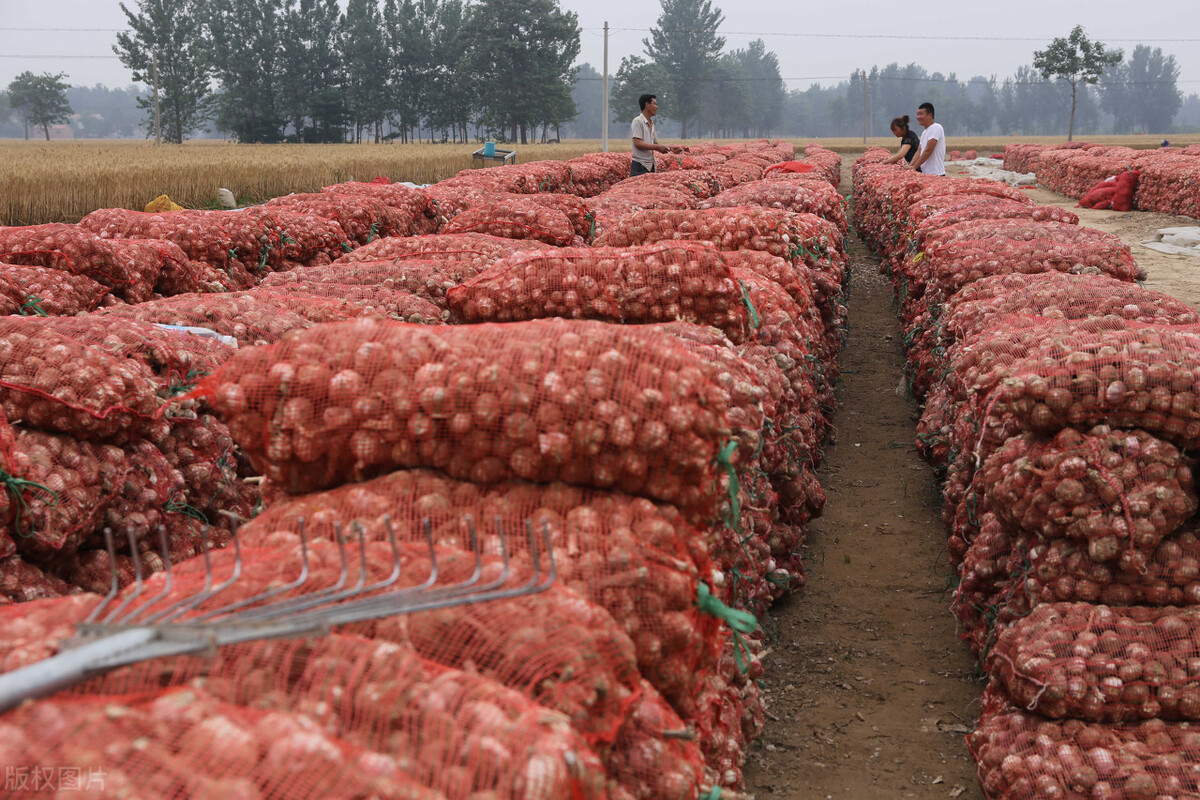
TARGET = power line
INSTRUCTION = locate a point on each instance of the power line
(880, 36)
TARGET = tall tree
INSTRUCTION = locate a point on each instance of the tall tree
(166, 44)
(1077, 61)
(635, 77)
(1143, 92)
(453, 97)
(763, 88)
(245, 40)
(409, 33)
(40, 99)
(588, 94)
(686, 45)
(364, 53)
(521, 57)
(311, 91)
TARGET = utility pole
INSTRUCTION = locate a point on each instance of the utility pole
(864, 83)
(157, 119)
(604, 96)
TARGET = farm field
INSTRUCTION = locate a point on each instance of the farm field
(63, 181)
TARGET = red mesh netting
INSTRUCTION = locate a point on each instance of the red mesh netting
(298, 236)
(37, 291)
(512, 217)
(413, 205)
(1170, 186)
(1101, 664)
(477, 250)
(639, 560)
(22, 582)
(239, 243)
(543, 400)
(654, 283)
(1052, 295)
(394, 303)
(248, 317)
(427, 277)
(176, 358)
(594, 173)
(1023, 756)
(131, 271)
(185, 743)
(802, 193)
(362, 217)
(798, 237)
(51, 381)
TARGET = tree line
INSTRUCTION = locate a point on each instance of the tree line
(308, 71)
(456, 70)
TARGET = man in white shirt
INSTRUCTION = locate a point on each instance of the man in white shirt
(645, 138)
(931, 152)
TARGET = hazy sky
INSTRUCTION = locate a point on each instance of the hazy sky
(820, 43)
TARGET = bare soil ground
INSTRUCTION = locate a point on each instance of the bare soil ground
(869, 690)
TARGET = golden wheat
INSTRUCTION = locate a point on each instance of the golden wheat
(63, 181)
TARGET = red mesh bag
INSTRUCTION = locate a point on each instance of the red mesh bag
(1022, 756)
(639, 560)
(1100, 195)
(32, 631)
(544, 400)
(58, 490)
(612, 208)
(51, 381)
(22, 582)
(394, 303)
(801, 196)
(573, 207)
(248, 317)
(185, 743)
(298, 236)
(1127, 182)
(177, 359)
(798, 237)
(654, 283)
(1169, 185)
(1133, 376)
(427, 277)
(130, 271)
(1116, 491)
(554, 648)
(593, 173)
(701, 184)
(1052, 295)
(476, 250)
(734, 172)
(362, 218)
(1101, 664)
(237, 243)
(413, 205)
(513, 217)
(37, 291)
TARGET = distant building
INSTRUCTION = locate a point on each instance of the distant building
(62, 132)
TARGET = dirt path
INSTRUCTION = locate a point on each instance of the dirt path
(869, 691)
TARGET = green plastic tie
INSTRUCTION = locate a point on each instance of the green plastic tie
(32, 307)
(754, 318)
(262, 260)
(714, 794)
(740, 622)
(725, 459)
(592, 219)
(183, 507)
(373, 233)
(16, 487)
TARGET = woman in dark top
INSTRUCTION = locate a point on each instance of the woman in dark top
(909, 141)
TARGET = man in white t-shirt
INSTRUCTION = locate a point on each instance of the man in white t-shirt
(645, 138)
(931, 152)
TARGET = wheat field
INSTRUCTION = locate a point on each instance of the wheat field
(61, 181)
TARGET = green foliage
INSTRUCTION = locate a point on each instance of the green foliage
(1075, 60)
(685, 44)
(40, 99)
(1142, 94)
(311, 96)
(635, 77)
(246, 49)
(521, 58)
(364, 56)
(168, 36)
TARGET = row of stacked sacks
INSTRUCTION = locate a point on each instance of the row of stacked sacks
(1167, 178)
(656, 407)
(1061, 405)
